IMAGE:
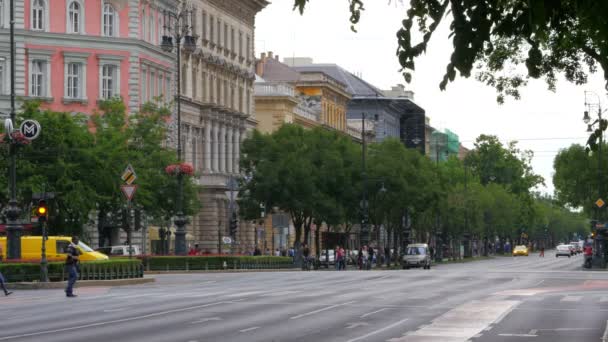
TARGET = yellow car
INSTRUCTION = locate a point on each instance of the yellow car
(520, 250)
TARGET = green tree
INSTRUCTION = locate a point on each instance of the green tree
(545, 38)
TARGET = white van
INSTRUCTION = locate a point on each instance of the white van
(124, 250)
(417, 255)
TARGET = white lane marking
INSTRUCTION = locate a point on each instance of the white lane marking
(208, 294)
(374, 312)
(114, 310)
(571, 299)
(242, 294)
(134, 318)
(248, 329)
(208, 319)
(280, 293)
(378, 331)
(321, 310)
(605, 336)
(518, 335)
(357, 324)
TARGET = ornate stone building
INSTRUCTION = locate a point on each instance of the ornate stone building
(218, 110)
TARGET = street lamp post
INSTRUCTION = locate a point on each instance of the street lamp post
(180, 30)
(13, 228)
(599, 243)
(364, 236)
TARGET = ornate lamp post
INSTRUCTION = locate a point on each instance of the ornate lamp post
(599, 248)
(13, 228)
(179, 27)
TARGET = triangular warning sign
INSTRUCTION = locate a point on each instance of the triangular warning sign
(128, 191)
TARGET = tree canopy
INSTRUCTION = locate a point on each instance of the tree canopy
(81, 158)
(508, 42)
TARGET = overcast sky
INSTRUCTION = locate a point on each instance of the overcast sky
(541, 121)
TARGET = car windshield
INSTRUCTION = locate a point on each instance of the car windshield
(416, 251)
(84, 247)
(520, 248)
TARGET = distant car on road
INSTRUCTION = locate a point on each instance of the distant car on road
(563, 250)
(520, 250)
(120, 250)
(578, 247)
(323, 257)
(416, 255)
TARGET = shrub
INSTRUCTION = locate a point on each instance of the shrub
(166, 263)
(92, 270)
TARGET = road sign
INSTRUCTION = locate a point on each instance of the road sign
(128, 191)
(227, 240)
(128, 175)
(30, 129)
(600, 203)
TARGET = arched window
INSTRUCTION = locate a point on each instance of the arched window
(109, 21)
(38, 15)
(74, 17)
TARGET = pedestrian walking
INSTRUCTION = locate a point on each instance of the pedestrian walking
(542, 252)
(2, 281)
(71, 266)
(370, 254)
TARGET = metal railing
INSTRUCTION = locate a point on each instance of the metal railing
(273, 89)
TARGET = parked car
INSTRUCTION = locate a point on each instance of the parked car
(56, 248)
(520, 250)
(324, 256)
(120, 250)
(416, 255)
(563, 250)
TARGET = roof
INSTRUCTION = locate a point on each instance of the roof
(275, 71)
(354, 84)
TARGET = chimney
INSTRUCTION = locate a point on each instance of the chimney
(259, 65)
(270, 54)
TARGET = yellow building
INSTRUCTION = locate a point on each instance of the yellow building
(308, 98)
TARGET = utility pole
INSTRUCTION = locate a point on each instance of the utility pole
(364, 229)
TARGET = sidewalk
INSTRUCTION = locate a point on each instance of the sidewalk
(80, 283)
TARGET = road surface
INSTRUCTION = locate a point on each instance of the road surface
(502, 299)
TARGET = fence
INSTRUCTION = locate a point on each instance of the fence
(107, 270)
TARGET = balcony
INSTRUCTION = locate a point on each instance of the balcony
(306, 113)
(273, 89)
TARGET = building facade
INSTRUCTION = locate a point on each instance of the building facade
(72, 53)
(218, 111)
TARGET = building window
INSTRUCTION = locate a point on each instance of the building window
(168, 88)
(211, 29)
(151, 28)
(1, 13)
(241, 44)
(110, 81)
(226, 45)
(109, 21)
(37, 78)
(144, 86)
(74, 81)
(2, 74)
(153, 90)
(219, 32)
(38, 15)
(144, 24)
(194, 84)
(75, 22)
(232, 41)
(204, 26)
(248, 48)
(184, 79)
(161, 25)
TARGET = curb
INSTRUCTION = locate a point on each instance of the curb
(223, 271)
(80, 283)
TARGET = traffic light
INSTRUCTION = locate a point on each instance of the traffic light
(42, 211)
(233, 225)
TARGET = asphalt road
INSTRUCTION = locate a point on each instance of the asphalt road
(502, 299)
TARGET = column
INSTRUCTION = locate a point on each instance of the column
(222, 143)
(237, 149)
(229, 158)
(215, 145)
(207, 145)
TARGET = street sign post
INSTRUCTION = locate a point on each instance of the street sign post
(128, 191)
(30, 129)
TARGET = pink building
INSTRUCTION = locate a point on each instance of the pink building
(72, 53)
